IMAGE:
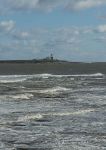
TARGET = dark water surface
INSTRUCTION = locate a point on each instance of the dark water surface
(53, 112)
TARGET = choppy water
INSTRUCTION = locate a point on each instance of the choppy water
(53, 112)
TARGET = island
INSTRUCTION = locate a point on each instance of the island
(51, 66)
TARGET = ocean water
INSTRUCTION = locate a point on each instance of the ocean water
(53, 112)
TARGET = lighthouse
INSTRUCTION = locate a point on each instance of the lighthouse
(51, 57)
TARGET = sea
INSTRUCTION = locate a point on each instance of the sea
(53, 112)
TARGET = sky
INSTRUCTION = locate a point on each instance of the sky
(73, 30)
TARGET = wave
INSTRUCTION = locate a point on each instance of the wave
(21, 78)
(28, 94)
(12, 78)
(90, 75)
(61, 114)
(73, 113)
(70, 75)
(12, 81)
(30, 117)
(54, 90)
(24, 96)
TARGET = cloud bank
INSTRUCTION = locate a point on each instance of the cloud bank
(85, 4)
(72, 42)
(48, 5)
(7, 26)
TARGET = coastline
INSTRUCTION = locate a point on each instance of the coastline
(20, 68)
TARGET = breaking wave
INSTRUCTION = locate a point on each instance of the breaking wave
(12, 78)
(20, 78)
(72, 75)
(24, 96)
(54, 90)
(89, 75)
(61, 114)
(30, 117)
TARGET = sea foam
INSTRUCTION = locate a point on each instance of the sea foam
(61, 114)
(24, 96)
(30, 117)
(70, 75)
(21, 78)
(54, 90)
(21, 96)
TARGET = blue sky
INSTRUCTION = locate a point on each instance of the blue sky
(73, 30)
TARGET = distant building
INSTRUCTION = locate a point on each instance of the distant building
(51, 57)
(47, 59)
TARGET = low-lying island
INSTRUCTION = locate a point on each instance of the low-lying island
(57, 67)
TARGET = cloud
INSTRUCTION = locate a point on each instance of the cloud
(7, 26)
(22, 4)
(101, 28)
(74, 43)
(31, 5)
(48, 5)
(21, 35)
(38, 42)
(77, 5)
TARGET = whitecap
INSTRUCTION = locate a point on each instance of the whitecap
(70, 75)
(39, 116)
(72, 113)
(12, 78)
(24, 96)
(54, 90)
(30, 117)
(21, 78)
(21, 96)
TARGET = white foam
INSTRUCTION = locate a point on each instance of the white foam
(17, 96)
(30, 117)
(73, 113)
(54, 90)
(21, 96)
(21, 78)
(42, 115)
(86, 75)
(71, 75)
(12, 81)
(12, 78)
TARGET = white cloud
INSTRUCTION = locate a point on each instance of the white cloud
(39, 42)
(22, 4)
(77, 5)
(21, 35)
(24, 34)
(7, 26)
(62, 42)
(48, 5)
(31, 5)
(101, 28)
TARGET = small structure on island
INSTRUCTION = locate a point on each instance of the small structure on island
(51, 58)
